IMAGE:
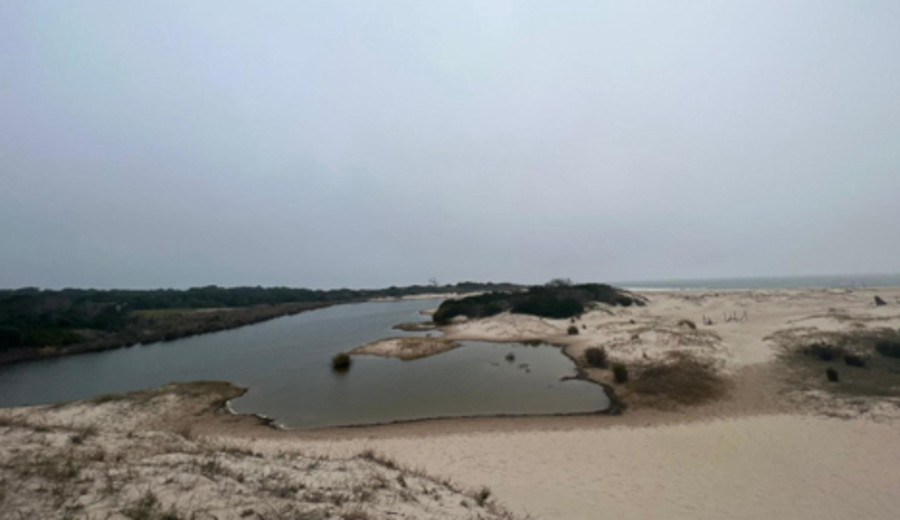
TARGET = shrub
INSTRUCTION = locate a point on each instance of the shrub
(624, 301)
(548, 304)
(687, 323)
(620, 373)
(573, 330)
(482, 497)
(596, 357)
(854, 360)
(684, 380)
(558, 301)
(879, 301)
(823, 351)
(341, 362)
(888, 348)
(832, 375)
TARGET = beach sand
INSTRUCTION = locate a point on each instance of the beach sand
(406, 348)
(774, 445)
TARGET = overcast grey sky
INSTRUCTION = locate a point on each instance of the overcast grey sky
(323, 144)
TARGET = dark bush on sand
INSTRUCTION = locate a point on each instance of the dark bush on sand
(560, 302)
(687, 323)
(823, 351)
(889, 348)
(854, 360)
(573, 330)
(596, 357)
(832, 375)
(620, 373)
(684, 380)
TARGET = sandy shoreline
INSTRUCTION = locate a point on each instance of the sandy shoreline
(775, 445)
(766, 450)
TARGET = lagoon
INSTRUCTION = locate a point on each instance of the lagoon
(285, 364)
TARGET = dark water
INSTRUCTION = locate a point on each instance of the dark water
(786, 282)
(286, 365)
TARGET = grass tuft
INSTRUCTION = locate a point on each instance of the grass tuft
(482, 496)
(854, 360)
(620, 372)
(687, 323)
(888, 348)
(596, 357)
(686, 380)
(824, 351)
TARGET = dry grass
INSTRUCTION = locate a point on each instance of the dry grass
(99, 471)
(684, 380)
(596, 357)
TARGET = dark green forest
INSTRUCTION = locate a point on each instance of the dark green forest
(33, 319)
(554, 300)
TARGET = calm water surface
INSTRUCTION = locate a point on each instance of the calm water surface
(286, 365)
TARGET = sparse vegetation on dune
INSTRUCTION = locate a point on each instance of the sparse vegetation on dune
(681, 380)
(596, 357)
(620, 372)
(858, 359)
(687, 323)
(552, 301)
(117, 470)
(888, 347)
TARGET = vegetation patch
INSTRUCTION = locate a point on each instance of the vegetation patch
(556, 301)
(596, 357)
(888, 347)
(872, 358)
(688, 324)
(685, 380)
(824, 351)
(149, 508)
(620, 373)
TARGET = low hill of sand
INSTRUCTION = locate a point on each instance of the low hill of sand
(135, 457)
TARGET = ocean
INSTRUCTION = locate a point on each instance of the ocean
(780, 282)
